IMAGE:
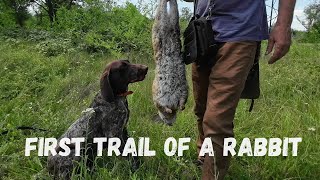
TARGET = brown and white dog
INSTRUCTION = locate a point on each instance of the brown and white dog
(107, 116)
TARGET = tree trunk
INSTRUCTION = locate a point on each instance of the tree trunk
(51, 12)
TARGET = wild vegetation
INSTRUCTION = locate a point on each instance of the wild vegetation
(51, 60)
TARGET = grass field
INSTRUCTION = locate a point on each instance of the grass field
(51, 92)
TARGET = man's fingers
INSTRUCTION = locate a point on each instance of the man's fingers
(270, 46)
(274, 57)
(279, 42)
(279, 52)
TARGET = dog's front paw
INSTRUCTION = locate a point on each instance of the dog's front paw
(135, 163)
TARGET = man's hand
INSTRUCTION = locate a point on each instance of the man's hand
(280, 37)
(279, 41)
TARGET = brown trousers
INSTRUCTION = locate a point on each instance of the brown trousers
(217, 92)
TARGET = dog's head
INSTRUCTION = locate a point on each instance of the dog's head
(117, 76)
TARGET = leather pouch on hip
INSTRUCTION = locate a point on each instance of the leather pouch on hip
(199, 44)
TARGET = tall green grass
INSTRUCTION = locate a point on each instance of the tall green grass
(51, 92)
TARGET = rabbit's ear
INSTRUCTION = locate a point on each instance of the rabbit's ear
(105, 86)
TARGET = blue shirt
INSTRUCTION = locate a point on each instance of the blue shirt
(236, 20)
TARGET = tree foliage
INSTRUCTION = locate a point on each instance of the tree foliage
(311, 23)
(312, 13)
(50, 7)
(14, 10)
(91, 25)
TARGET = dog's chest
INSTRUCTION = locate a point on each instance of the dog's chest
(120, 112)
(111, 118)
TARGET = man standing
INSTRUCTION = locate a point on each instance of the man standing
(240, 26)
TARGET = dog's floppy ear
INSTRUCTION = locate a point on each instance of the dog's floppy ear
(105, 86)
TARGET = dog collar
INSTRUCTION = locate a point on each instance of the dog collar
(126, 93)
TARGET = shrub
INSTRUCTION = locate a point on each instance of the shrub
(313, 35)
(53, 47)
(102, 28)
(95, 26)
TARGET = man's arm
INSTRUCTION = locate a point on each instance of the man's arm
(280, 36)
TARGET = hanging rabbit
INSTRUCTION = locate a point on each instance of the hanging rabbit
(170, 89)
